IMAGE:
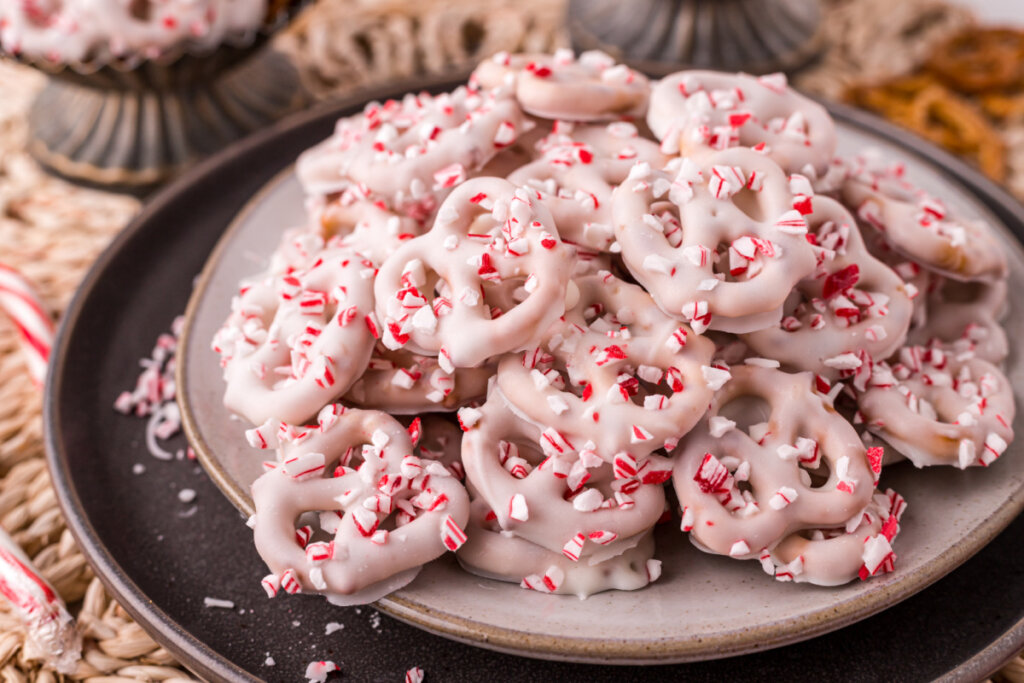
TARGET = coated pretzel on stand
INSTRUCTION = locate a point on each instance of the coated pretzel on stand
(410, 153)
(93, 33)
(490, 553)
(555, 493)
(719, 246)
(804, 467)
(695, 113)
(591, 87)
(385, 511)
(852, 304)
(577, 173)
(938, 409)
(296, 341)
(434, 295)
(615, 370)
(919, 226)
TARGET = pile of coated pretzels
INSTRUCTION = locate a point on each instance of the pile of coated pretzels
(617, 285)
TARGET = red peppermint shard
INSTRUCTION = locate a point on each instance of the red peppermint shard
(841, 280)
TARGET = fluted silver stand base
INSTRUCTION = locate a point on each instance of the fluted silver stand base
(756, 36)
(137, 129)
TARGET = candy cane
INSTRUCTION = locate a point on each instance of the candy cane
(46, 619)
(21, 303)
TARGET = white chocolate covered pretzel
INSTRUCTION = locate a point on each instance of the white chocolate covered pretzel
(555, 493)
(629, 564)
(920, 226)
(615, 371)
(938, 409)
(577, 173)
(852, 304)
(832, 557)
(297, 340)
(592, 87)
(719, 246)
(806, 468)
(385, 519)
(965, 317)
(434, 295)
(697, 112)
(410, 153)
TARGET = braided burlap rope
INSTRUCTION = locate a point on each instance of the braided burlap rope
(52, 232)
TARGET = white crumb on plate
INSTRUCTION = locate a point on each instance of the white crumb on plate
(217, 602)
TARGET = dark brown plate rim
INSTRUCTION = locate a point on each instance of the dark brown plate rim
(201, 658)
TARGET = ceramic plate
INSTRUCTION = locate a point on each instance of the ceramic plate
(704, 606)
(160, 557)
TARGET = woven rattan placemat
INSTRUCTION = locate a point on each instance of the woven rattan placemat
(52, 232)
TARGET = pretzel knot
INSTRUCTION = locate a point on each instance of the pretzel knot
(977, 60)
(852, 304)
(488, 278)
(410, 153)
(920, 227)
(965, 317)
(556, 494)
(743, 492)
(936, 113)
(592, 87)
(386, 511)
(741, 248)
(577, 172)
(938, 409)
(697, 112)
(616, 371)
(296, 341)
(622, 565)
(832, 557)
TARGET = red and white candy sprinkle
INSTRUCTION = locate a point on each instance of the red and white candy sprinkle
(317, 671)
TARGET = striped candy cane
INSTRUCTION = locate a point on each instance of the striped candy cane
(19, 300)
(46, 619)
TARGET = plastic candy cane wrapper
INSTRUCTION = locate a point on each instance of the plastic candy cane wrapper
(51, 630)
(19, 300)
